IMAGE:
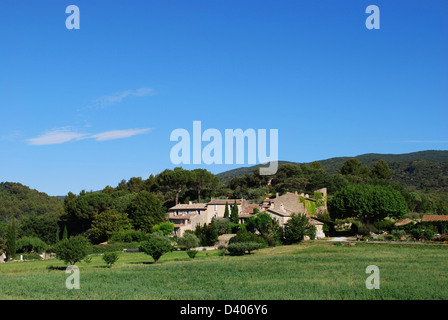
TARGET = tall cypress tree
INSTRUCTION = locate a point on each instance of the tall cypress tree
(11, 236)
(65, 233)
(234, 214)
(226, 210)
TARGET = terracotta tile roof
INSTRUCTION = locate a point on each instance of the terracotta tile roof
(194, 206)
(279, 212)
(428, 217)
(250, 208)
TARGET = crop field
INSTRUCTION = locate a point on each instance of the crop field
(310, 270)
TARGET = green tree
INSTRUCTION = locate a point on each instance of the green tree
(226, 210)
(145, 211)
(369, 203)
(165, 227)
(72, 250)
(234, 213)
(188, 241)
(108, 222)
(297, 227)
(156, 246)
(381, 170)
(176, 180)
(355, 168)
(65, 233)
(11, 238)
(202, 179)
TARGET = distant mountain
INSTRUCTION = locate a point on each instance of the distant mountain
(422, 170)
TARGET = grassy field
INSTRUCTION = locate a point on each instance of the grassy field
(313, 270)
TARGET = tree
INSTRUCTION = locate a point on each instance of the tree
(165, 227)
(354, 167)
(188, 241)
(234, 213)
(270, 230)
(145, 211)
(369, 203)
(11, 238)
(297, 227)
(177, 180)
(226, 210)
(381, 170)
(65, 233)
(202, 179)
(156, 246)
(108, 222)
(72, 250)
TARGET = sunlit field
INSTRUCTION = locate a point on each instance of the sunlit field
(313, 270)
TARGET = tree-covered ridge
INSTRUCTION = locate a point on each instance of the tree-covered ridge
(424, 170)
(20, 201)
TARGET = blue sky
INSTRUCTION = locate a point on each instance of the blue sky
(82, 109)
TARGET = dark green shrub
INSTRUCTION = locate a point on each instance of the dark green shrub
(72, 250)
(192, 253)
(207, 234)
(246, 236)
(384, 225)
(240, 248)
(235, 227)
(110, 258)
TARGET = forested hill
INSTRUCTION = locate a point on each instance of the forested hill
(19, 200)
(424, 170)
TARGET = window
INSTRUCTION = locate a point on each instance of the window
(216, 207)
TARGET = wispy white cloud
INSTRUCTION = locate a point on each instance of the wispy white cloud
(119, 134)
(423, 141)
(106, 101)
(56, 136)
(63, 135)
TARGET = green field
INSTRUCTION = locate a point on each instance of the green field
(313, 270)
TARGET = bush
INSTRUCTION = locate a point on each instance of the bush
(157, 245)
(384, 225)
(30, 244)
(188, 241)
(192, 253)
(165, 227)
(207, 235)
(235, 227)
(222, 225)
(246, 236)
(240, 248)
(110, 258)
(72, 250)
